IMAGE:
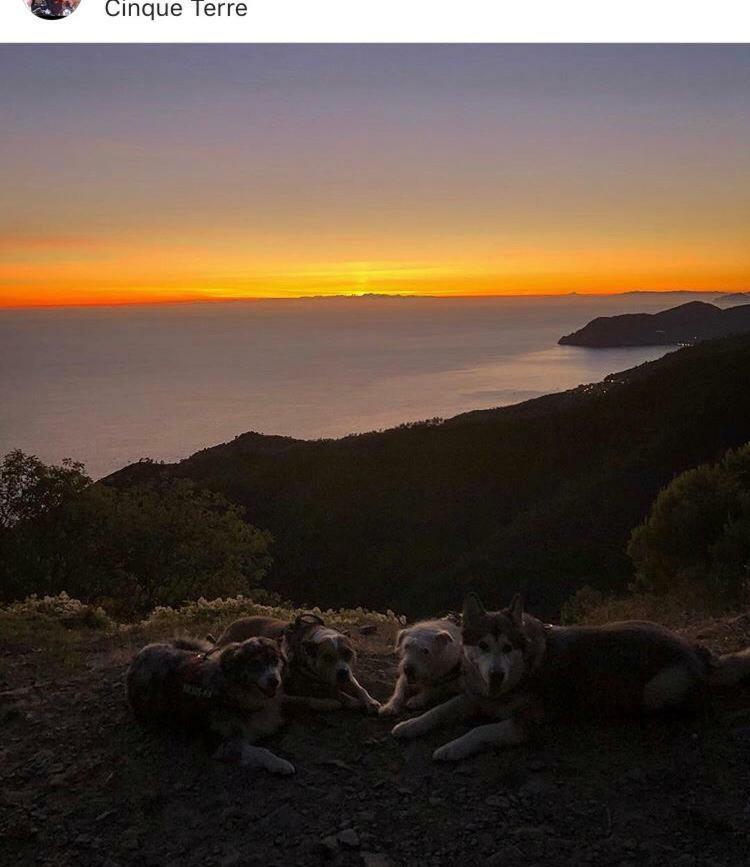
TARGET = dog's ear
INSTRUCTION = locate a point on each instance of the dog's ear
(443, 638)
(310, 648)
(400, 636)
(515, 610)
(473, 608)
(230, 657)
(328, 644)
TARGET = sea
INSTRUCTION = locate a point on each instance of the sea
(109, 385)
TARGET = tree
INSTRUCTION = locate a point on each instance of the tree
(29, 488)
(161, 542)
(698, 530)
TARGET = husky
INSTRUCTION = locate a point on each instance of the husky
(320, 670)
(233, 693)
(429, 668)
(518, 672)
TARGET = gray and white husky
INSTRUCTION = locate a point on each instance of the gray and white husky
(518, 671)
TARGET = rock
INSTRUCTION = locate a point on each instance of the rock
(130, 839)
(537, 786)
(336, 763)
(368, 629)
(485, 840)
(329, 846)
(348, 838)
(285, 819)
(375, 859)
(496, 801)
(369, 760)
(530, 832)
(231, 858)
(10, 712)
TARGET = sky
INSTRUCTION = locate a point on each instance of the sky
(150, 173)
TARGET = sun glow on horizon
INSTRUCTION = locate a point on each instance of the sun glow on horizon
(162, 174)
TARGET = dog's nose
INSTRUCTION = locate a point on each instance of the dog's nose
(273, 682)
(342, 675)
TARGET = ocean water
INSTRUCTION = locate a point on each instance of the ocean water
(110, 385)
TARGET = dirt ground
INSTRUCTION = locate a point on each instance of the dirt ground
(83, 784)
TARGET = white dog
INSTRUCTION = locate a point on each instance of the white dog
(429, 667)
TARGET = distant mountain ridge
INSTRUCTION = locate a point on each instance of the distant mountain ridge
(686, 324)
(540, 496)
(733, 298)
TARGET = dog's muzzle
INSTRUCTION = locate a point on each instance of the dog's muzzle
(270, 686)
(497, 682)
(343, 675)
(410, 673)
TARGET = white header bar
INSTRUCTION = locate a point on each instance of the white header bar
(384, 21)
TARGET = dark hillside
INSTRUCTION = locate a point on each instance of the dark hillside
(686, 324)
(541, 495)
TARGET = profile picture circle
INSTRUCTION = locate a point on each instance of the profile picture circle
(52, 10)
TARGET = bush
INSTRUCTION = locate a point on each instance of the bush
(698, 531)
(60, 609)
(677, 608)
(203, 615)
(578, 608)
(153, 544)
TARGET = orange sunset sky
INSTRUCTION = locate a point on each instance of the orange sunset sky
(153, 173)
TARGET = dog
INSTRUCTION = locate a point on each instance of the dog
(518, 672)
(320, 670)
(429, 668)
(234, 692)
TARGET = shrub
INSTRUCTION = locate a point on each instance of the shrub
(676, 609)
(698, 531)
(159, 543)
(205, 615)
(579, 606)
(59, 609)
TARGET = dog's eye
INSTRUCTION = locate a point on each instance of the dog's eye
(483, 646)
(507, 648)
(426, 651)
(345, 654)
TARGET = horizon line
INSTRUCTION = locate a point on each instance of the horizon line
(362, 296)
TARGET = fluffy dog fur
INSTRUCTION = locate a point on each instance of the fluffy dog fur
(320, 670)
(517, 671)
(234, 693)
(429, 668)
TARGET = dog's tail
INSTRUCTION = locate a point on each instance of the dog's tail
(729, 669)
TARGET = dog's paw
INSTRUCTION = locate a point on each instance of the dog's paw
(406, 730)
(452, 752)
(388, 709)
(372, 707)
(281, 767)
